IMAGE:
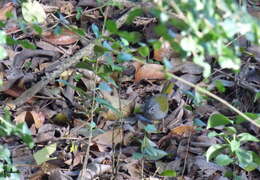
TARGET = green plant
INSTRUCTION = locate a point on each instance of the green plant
(231, 151)
(7, 128)
(149, 150)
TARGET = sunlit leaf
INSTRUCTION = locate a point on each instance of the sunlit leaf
(223, 160)
(43, 155)
(218, 120)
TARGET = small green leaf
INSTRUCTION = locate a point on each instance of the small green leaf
(144, 51)
(188, 44)
(133, 14)
(137, 156)
(234, 145)
(4, 153)
(240, 119)
(220, 86)
(167, 64)
(95, 29)
(107, 45)
(111, 26)
(223, 160)
(33, 12)
(169, 173)
(37, 29)
(2, 37)
(3, 53)
(124, 57)
(247, 137)
(150, 128)
(43, 155)
(79, 12)
(257, 96)
(245, 160)
(26, 44)
(106, 104)
(214, 150)
(103, 86)
(218, 120)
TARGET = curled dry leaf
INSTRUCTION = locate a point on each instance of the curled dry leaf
(150, 72)
(7, 8)
(31, 117)
(183, 131)
(65, 38)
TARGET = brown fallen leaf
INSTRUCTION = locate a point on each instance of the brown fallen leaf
(106, 140)
(65, 38)
(150, 72)
(124, 106)
(7, 8)
(183, 131)
(31, 117)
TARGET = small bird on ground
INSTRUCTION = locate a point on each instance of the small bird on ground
(157, 106)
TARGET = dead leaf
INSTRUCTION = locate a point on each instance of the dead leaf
(31, 117)
(106, 140)
(38, 118)
(183, 131)
(7, 8)
(188, 67)
(124, 106)
(188, 77)
(65, 38)
(150, 71)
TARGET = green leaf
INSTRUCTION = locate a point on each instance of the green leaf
(154, 154)
(37, 29)
(239, 119)
(215, 150)
(220, 86)
(111, 26)
(150, 128)
(26, 44)
(33, 12)
(144, 51)
(106, 104)
(95, 29)
(3, 53)
(132, 37)
(43, 155)
(245, 160)
(218, 120)
(247, 137)
(79, 12)
(257, 96)
(169, 173)
(22, 130)
(4, 153)
(107, 45)
(234, 145)
(124, 57)
(2, 37)
(230, 130)
(103, 86)
(223, 160)
(137, 156)
(99, 50)
(133, 14)
(188, 44)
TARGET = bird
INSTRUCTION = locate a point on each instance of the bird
(156, 107)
